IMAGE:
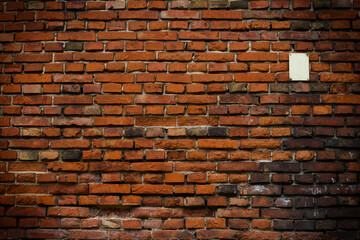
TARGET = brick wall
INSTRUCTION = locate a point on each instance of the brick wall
(177, 119)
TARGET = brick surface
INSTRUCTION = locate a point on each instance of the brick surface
(136, 119)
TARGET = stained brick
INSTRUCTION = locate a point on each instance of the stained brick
(187, 122)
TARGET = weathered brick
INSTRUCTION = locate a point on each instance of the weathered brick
(146, 109)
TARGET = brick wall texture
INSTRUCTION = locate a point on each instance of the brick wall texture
(177, 120)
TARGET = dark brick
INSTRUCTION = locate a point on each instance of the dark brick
(322, 4)
(282, 213)
(196, 132)
(321, 131)
(196, 4)
(303, 225)
(237, 87)
(279, 87)
(280, 167)
(323, 167)
(344, 189)
(320, 26)
(300, 99)
(319, 87)
(219, 3)
(71, 155)
(342, 4)
(343, 212)
(304, 202)
(303, 143)
(226, 190)
(304, 190)
(259, 178)
(347, 224)
(346, 132)
(300, 25)
(355, 87)
(343, 143)
(283, 225)
(262, 14)
(239, 4)
(73, 46)
(356, 69)
(324, 178)
(217, 132)
(326, 202)
(324, 121)
(325, 224)
(73, 88)
(348, 235)
(315, 213)
(304, 179)
(302, 132)
(134, 132)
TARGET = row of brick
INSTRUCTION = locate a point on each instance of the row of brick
(175, 234)
(179, 178)
(194, 223)
(84, 212)
(174, 36)
(180, 132)
(170, 88)
(192, 155)
(316, 110)
(299, 25)
(178, 14)
(165, 189)
(173, 57)
(179, 46)
(179, 4)
(200, 165)
(131, 67)
(299, 143)
(184, 121)
(181, 99)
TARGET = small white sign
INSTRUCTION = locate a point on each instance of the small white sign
(299, 67)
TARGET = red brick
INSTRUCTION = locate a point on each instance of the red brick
(108, 188)
(152, 189)
(221, 14)
(45, 233)
(168, 36)
(180, 14)
(83, 36)
(25, 37)
(72, 100)
(97, 15)
(33, 57)
(199, 35)
(343, 99)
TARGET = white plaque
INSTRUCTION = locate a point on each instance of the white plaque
(299, 67)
